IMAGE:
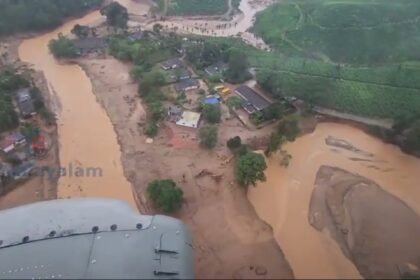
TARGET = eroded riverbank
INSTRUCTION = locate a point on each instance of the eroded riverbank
(284, 199)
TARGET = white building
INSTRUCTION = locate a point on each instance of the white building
(189, 119)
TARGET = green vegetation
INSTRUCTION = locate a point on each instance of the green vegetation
(165, 195)
(22, 16)
(365, 64)
(213, 51)
(146, 53)
(287, 130)
(9, 83)
(149, 89)
(361, 32)
(234, 143)
(62, 47)
(197, 7)
(238, 67)
(234, 101)
(208, 136)
(212, 113)
(80, 31)
(116, 14)
(250, 168)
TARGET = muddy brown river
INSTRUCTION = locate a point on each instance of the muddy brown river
(283, 200)
(87, 140)
(86, 135)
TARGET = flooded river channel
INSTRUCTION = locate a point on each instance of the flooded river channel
(90, 156)
(284, 199)
(88, 142)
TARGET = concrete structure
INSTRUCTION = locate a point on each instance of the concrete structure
(186, 85)
(252, 101)
(92, 239)
(189, 119)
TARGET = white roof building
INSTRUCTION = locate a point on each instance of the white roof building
(189, 119)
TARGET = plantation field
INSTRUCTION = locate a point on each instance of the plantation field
(356, 56)
(386, 91)
(362, 32)
(197, 7)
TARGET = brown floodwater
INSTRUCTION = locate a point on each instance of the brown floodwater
(86, 135)
(283, 200)
(87, 140)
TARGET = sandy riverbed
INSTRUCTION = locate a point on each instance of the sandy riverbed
(284, 202)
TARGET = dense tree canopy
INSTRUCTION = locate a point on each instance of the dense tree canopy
(9, 83)
(62, 47)
(22, 15)
(208, 136)
(116, 14)
(250, 168)
(238, 67)
(165, 195)
(212, 113)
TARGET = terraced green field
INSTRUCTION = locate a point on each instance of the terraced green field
(362, 56)
(197, 7)
(348, 31)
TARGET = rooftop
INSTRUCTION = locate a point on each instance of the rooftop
(189, 119)
(216, 68)
(172, 63)
(23, 95)
(27, 107)
(89, 43)
(11, 139)
(186, 84)
(253, 102)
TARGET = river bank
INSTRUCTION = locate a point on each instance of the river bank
(284, 201)
(34, 188)
(86, 137)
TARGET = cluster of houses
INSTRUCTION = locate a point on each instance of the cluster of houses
(16, 151)
(252, 101)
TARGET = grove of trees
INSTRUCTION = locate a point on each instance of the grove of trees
(9, 83)
(208, 136)
(116, 15)
(62, 47)
(212, 113)
(22, 16)
(249, 168)
(166, 195)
